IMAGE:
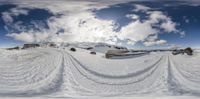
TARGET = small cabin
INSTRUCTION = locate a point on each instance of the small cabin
(111, 53)
(30, 46)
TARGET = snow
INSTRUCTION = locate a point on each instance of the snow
(97, 47)
(58, 72)
(164, 97)
(29, 72)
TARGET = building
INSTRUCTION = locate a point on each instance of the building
(111, 53)
(30, 46)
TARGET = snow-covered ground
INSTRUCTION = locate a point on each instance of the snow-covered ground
(54, 72)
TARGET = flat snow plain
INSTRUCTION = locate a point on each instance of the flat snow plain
(57, 73)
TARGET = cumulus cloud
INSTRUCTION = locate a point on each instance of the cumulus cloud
(145, 31)
(7, 16)
(85, 27)
(154, 40)
(157, 42)
(169, 26)
(137, 31)
(18, 11)
(141, 8)
(26, 37)
(80, 24)
(132, 16)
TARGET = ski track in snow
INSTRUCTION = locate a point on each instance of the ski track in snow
(61, 73)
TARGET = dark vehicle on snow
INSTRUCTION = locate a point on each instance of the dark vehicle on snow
(176, 52)
(188, 51)
(72, 49)
(94, 53)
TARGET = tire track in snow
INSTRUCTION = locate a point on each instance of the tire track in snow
(47, 75)
(99, 87)
(172, 85)
(151, 68)
(178, 83)
(68, 87)
(74, 60)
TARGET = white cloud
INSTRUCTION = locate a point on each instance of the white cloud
(26, 37)
(18, 11)
(84, 27)
(6, 17)
(145, 31)
(154, 40)
(182, 33)
(72, 22)
(58, 6)
(132, 16)
(156, 16)
(81, 25)
(169, 26)
(157, 42)
(137, 31)
(141, 8)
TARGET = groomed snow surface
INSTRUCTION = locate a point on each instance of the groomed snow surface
(58, 72)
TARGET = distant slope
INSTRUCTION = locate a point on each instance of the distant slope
(96, 47)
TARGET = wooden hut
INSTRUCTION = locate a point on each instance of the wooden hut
(30, 46)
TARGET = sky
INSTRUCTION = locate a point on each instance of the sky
(129, 23)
